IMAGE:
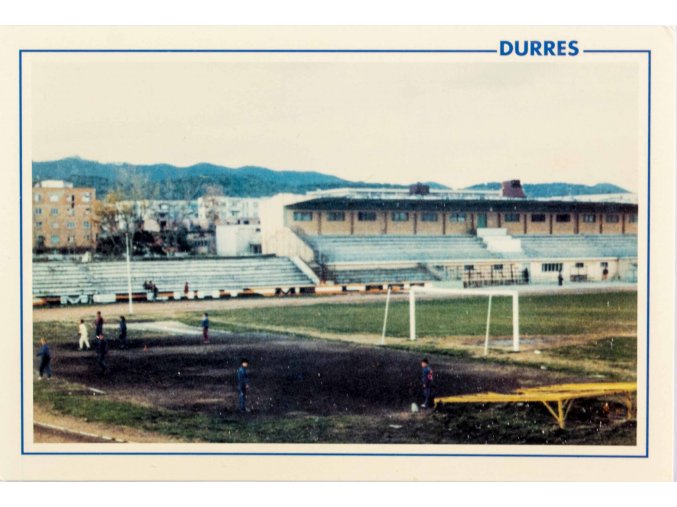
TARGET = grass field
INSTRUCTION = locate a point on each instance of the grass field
(318, 376)
(539, 315)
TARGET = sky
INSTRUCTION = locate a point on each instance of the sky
(453, 121)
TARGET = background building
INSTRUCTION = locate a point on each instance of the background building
(63, 216)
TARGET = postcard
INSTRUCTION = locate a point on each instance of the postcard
(346, 253)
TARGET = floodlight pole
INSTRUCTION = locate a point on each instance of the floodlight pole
(486, 337)
(385, 318)
(412, 314)
(129, 275)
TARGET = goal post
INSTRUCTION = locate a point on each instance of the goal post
(416, 292)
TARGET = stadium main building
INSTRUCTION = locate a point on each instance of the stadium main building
(473, 238)
(356, 239)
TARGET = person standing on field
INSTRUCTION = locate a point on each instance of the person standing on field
(243, 384)
(98, 325)
(122, 335)
(45, 359)
(84, 339)
(427, 384)
(205, 328)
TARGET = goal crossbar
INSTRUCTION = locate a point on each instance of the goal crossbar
(490, 293)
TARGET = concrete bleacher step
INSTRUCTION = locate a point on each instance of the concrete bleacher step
(69, 278)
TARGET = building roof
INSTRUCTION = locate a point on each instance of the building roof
(431, 204)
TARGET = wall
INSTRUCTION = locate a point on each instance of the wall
(385, 225)
(339, 228)
(367, 228)
(401, 228)
(513, 227)
(235, 240)
(428, 228)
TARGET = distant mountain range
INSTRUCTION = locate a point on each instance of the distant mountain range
(536, 190)
(165, 181)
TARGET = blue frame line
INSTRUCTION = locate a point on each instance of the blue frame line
(259, 51)
(334, 454)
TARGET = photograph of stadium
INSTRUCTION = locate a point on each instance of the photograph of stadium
(295, 249)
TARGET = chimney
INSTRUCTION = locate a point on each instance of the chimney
(419, 189)
(512, 188)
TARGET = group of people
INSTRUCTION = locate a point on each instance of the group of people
(242, 377)
(101, 341)
(149, 285)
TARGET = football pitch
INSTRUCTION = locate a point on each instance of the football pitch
(318, 373)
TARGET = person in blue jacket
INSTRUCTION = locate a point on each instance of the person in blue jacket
(45, 359)
(427, 384)
(243, 384)
(205, 328)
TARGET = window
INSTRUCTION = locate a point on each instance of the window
(70, 225)
(580, 265)
(38, 211)
(88, 237)
(55, 225)
(86, 224)
(71, 239)
(86, 197)
(512, 217)
(551, 267)
(497, 267)
(55, 239)
(604, 264)
(37, 197)
(469, 267)
(303, 216)
(54, 198)
(400, 216)
(428, 217)
(538, 217)
(632, 218)
(38, 225)
(589, 219)
(458, 218)
(54, 211)
(366, 216)
(613, 219)
(563, 217)
(71, 212)
(336, 216)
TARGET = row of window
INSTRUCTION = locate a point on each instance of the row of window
(55, 239)
(55, 211)
(403, 216)
(69, 225)
(70, 198)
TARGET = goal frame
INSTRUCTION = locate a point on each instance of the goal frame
(490, 293)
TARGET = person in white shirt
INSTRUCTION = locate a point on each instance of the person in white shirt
(82, 329)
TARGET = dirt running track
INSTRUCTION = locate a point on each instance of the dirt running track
(70, 313)
(287, 374)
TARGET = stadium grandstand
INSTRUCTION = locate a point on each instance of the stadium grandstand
(361, 239)
(471, 238)
(68, 282)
